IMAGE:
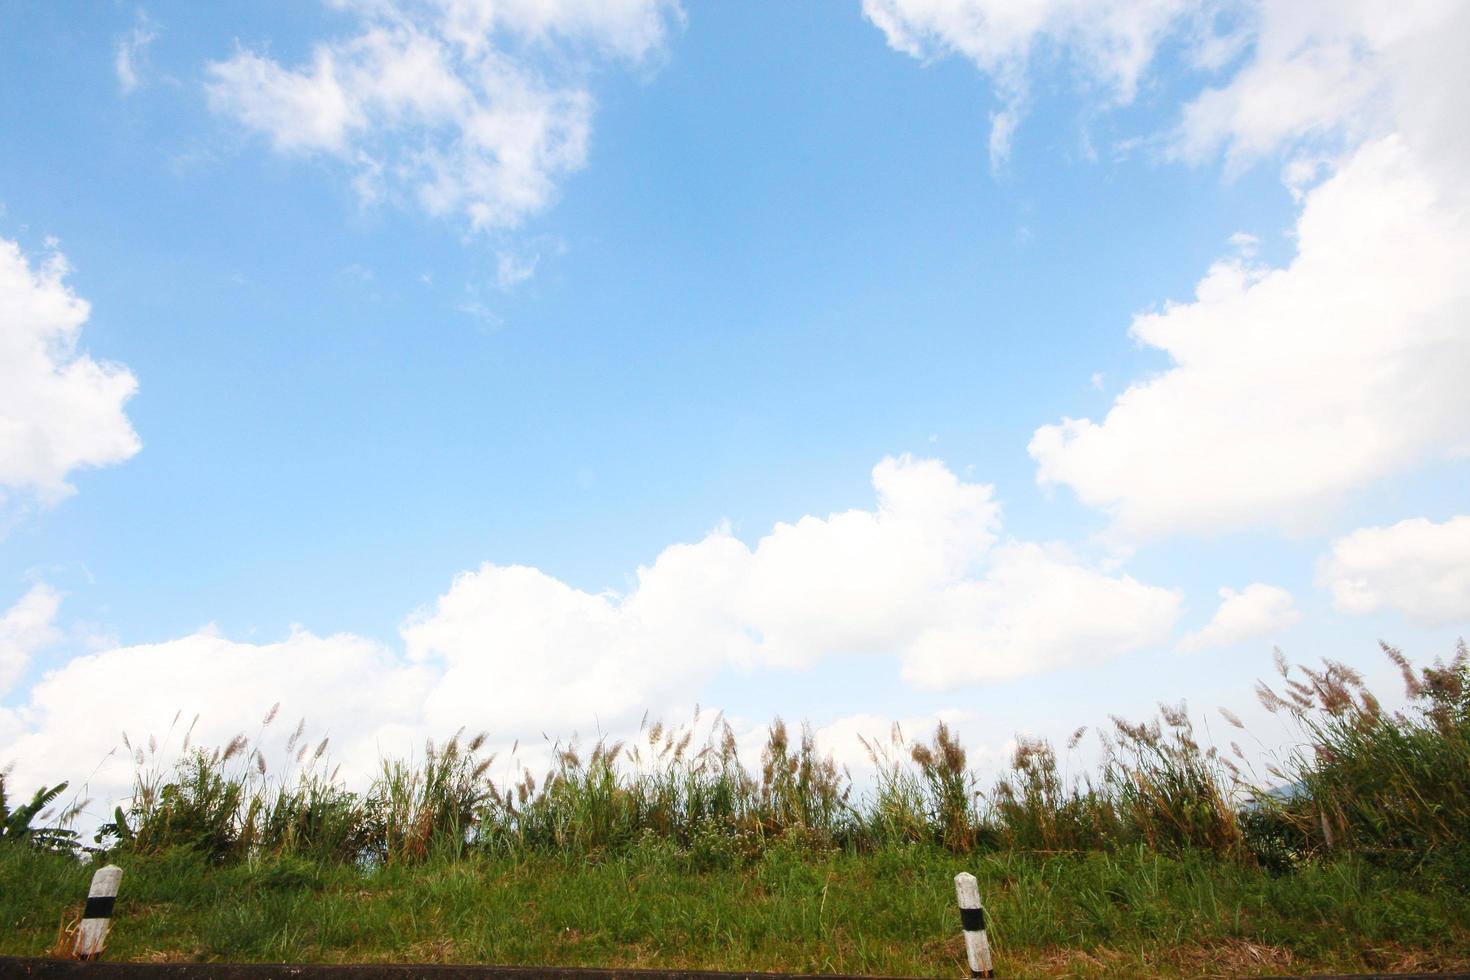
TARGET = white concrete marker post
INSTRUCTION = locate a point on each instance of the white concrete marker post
(97, 916)
(972, 920)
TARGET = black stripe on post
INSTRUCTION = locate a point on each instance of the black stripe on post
(97, 913)
(99, 907)
(972, 917)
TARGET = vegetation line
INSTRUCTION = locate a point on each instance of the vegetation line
(661, 852)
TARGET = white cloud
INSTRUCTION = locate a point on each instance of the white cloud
(26, 628)
(512, 269)
(1289, 386)
(626, 28)
(923, 576)
(1110, 41)
(345, 686)
(60, 410)
(1255, 611)
(1035, 611)
(130, 56)
(468, 107)
(865, 581)
(298, 110)
(1292, 386)
(1319, 71)
(1416, 566)
(920, 577)
(521, 652)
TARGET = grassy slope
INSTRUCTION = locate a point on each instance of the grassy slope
(888, 912)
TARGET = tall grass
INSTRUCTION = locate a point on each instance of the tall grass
(662, 785)
(1388, 786)
(1036, 809)
(1392, 786)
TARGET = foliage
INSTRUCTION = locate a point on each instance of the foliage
(17, 824)
(794, 907)
(1168, 792)
(1392, 786)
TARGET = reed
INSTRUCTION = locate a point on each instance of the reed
(1385, 786)
(1391, 786)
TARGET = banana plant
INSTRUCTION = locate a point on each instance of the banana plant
(16, 824)
(116, 829)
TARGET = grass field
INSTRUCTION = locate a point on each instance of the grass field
(1166, 861)
(890, 911)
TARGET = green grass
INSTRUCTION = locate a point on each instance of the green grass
(887, 911)
(1167, 860)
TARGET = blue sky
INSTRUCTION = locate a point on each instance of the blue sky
(758, 251)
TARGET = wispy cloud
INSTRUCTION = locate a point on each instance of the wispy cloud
(130, 54)
(1110, 42)
(512, 269)
(462, 107)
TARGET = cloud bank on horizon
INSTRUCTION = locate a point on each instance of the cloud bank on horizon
(925, 573)
(1287, 387)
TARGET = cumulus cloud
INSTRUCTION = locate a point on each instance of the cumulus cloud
(921, 576)
(1418, 567)
(60, 410)
(358, 692)
(1288, 386)
(1255, 611)
(1035, 610)
(924, 576)
(468, 107)
(1292, 386)
(26, 628)
(1111, 42)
